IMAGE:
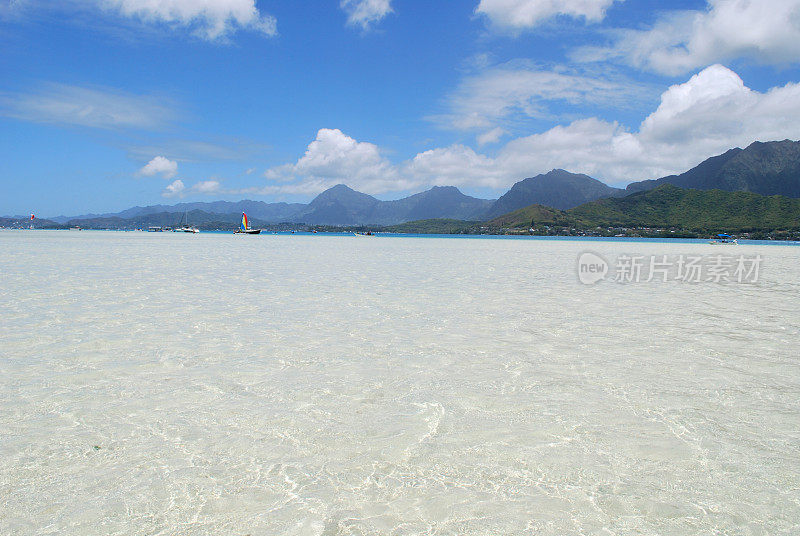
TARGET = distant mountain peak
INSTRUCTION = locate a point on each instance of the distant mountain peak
(558, 171)
(341, 193)
(339, 188)
(449, 191)
(557, 188)
(445, 188)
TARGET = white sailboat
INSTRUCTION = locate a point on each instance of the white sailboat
(184, 227)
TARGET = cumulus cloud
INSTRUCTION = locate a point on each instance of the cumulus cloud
(210, 19)
(517, 15)
(592, 146)
(521, 90)
(160, 166)
(334, 157)
(175, 189)
(708, 114)
(89, 107)
(365, 13)
(765, 31)
(456, 165)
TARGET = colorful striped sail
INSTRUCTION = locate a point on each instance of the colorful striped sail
(244, 225)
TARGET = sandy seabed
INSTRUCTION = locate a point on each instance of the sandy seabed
(163, 383)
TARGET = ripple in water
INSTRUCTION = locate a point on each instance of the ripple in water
(315, 385)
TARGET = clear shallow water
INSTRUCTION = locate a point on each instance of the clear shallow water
(318, 385)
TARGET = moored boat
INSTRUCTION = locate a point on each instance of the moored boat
(723, 238)
(184, 227)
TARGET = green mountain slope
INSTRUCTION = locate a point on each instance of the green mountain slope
(435, 226)
(670, 207)
(530, 217)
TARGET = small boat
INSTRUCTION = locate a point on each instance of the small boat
(154, 229)
(244, 227)
(366, 233)
(184, 227)
(722, 238)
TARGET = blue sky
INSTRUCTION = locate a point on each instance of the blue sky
(106, 104)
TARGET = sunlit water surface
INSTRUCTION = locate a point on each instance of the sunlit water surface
(156, 384)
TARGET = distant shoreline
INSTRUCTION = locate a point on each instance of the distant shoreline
(474, 236)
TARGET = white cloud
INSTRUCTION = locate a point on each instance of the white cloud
(365, 13)
(456, 165)
(334, 157)
(517, 15)
(210, 19)
(765, 31)
(174, 189)
(207, 187)
(519, 90)
(592, 146)
(708, 114)
(160, 166)
(213, 20)
(491, 136)
(211, 186)
(90, 107)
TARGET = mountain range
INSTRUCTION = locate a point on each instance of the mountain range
(668, 207)
(766, 168)
(339, 205)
